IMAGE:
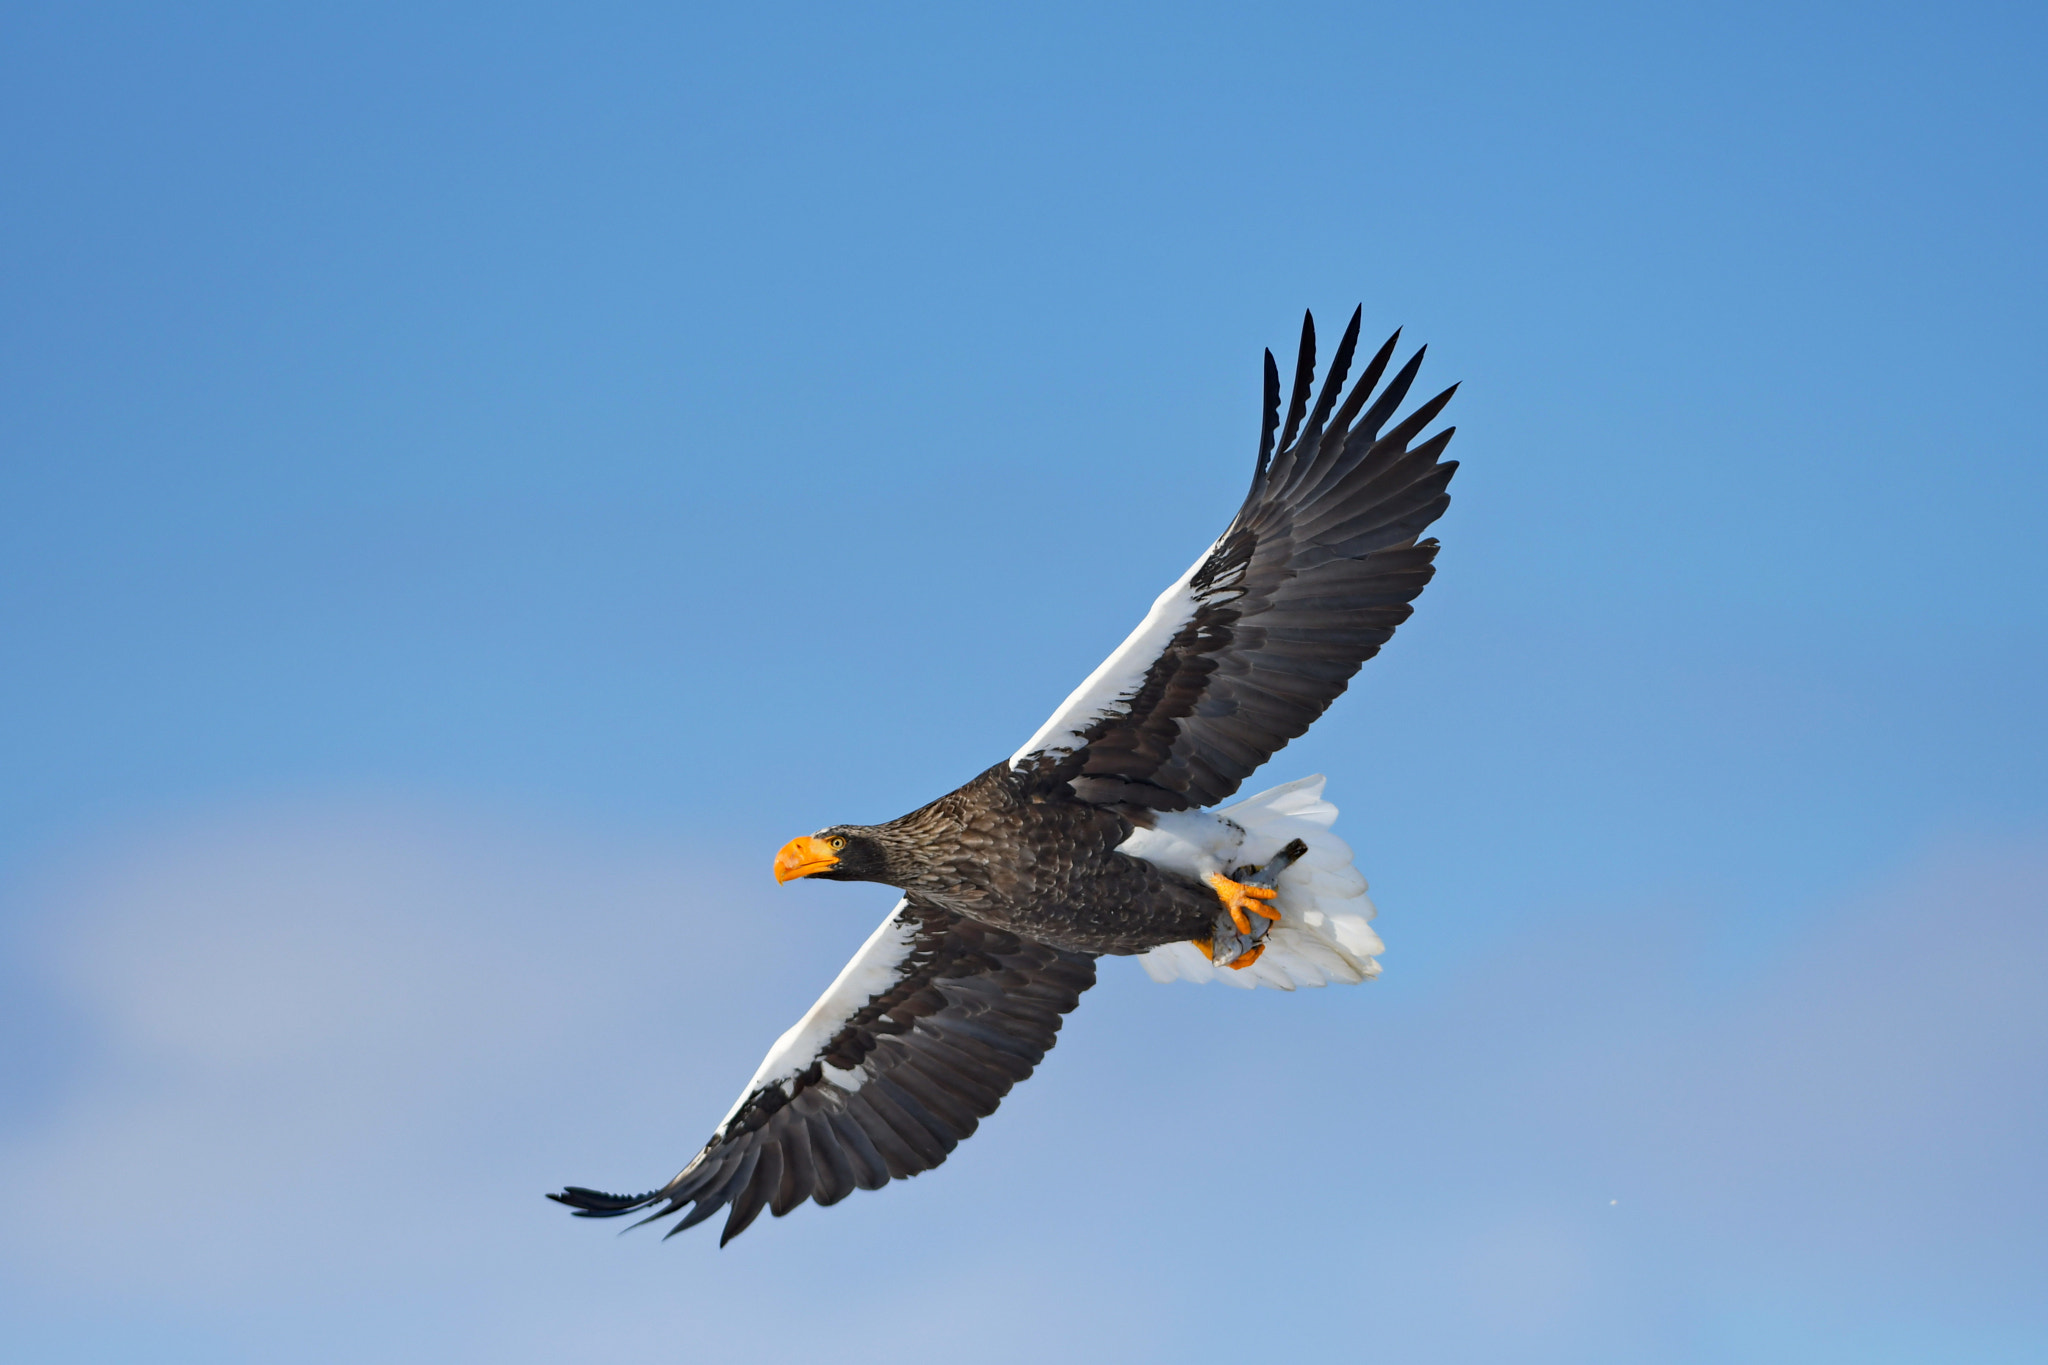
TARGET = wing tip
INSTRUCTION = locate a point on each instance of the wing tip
(1304, 380)
(1269, 421)
(589, 1203)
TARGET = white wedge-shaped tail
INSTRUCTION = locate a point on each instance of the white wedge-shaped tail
(1325, 930)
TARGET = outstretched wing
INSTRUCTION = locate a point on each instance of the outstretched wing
(1264, 631)
(917, 1041)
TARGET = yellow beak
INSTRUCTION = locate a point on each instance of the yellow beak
(802, 857)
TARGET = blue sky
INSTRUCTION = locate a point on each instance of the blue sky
(475, 480)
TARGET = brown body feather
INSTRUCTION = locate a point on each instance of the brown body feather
(1024, 855)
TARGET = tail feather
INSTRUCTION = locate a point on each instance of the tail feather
(1325, 932)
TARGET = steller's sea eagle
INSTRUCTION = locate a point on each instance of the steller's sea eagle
(1103, 833)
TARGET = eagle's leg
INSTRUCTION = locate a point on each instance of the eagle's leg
(1238, 897)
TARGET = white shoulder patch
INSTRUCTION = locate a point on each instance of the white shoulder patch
(1109, 689)
(874, 969)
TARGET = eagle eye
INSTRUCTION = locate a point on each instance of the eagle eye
(836, 843)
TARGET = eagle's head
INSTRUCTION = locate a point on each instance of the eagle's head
(842, 853)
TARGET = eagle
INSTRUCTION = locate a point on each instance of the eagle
(1105, 833)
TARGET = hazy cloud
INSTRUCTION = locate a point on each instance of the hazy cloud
(332, 1058)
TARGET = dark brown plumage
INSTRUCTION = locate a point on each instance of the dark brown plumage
(1010, 850)
(1015, 881)
(972, 1012)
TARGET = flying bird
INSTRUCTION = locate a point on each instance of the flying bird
(1105, 832)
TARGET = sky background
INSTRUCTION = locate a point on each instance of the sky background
(474, 480)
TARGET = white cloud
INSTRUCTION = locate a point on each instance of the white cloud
(306, 1025)
(336, 1056)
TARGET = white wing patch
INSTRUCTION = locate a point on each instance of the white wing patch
(1109, 689)
(874, 969)
(1325, 931)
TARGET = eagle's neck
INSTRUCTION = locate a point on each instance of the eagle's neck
(940, 848)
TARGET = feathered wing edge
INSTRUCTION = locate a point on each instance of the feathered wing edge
(1265, 630)
(918, 1040)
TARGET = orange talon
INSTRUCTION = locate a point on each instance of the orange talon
(1208, 948)
(1251, 955)
(1238, 898)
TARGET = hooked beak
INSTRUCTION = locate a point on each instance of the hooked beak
(802, 857)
